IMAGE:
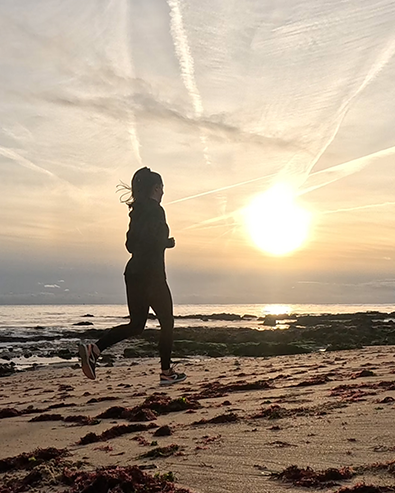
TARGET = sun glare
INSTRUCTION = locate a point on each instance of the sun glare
(275, 222)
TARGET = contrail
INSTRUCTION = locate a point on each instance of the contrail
(209, 192)
(132, 123)
(330, 175)
(212, 220)
(26, 163)
(360, 208)
(187, 65)
(134, 138)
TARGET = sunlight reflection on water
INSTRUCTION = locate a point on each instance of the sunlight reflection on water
(276, 310)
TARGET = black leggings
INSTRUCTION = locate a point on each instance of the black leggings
(142, 293)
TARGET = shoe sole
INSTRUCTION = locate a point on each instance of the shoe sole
(172, 382)
(83, 352)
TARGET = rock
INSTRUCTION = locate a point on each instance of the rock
(7, 369)
(268, 349)
(83, 323)
(270, 320)
(64, 353)
(185, 348)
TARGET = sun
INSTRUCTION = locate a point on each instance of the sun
(275, 222)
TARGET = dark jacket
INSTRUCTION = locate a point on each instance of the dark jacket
(147, 238)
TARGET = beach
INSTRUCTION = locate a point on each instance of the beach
(236, 424)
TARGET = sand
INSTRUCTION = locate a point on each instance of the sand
(319, 410)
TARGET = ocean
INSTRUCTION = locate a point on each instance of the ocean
(18, 319)
(29, 319)
(30, 332)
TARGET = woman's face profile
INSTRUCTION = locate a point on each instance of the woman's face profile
(157, 192)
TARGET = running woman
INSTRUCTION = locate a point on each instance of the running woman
(145, 277)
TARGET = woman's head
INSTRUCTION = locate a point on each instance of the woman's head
(146, 184)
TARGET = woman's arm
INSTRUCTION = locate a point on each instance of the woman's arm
(148, 231)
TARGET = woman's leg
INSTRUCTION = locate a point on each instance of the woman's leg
(162, 304)
(138, 304)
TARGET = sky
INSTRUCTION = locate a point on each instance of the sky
(227, 101)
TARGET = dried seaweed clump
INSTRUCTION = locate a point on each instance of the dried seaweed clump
(113, 432)
(309, 478)
(221, 418)
(272, 412)
(28, 460)
(316, 380)
(217, 389)
(119, 479)
(152, 406)
(161, 452)
(365, 488)
(9, 412)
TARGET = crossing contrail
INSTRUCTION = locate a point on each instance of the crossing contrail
(330, 175)
(376, 68)
(381, 62)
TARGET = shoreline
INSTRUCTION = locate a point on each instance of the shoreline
(275, 335)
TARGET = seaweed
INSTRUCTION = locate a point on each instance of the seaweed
(160, 452)
(163, 404)
(102, 399)
(47, 417)
(28, 460)
(155, 404)
(317, 380)
(114, 412)
(16, 485)
(114, 479)
(113, 432)
(363, 373)
(350, 393)
(81, 420)
(217, 389)
(222, 418)
(275, 411)
(309, 478)
(9, 412)
(272, 412)
(365, 488)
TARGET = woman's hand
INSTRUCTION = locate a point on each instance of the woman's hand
(171, 243)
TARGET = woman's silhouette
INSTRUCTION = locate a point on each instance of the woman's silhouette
(145, 277)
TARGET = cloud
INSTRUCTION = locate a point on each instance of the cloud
(51, 286)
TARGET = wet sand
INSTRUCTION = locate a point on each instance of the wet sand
(235, 425)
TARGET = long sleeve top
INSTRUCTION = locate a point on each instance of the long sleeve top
(147, 238)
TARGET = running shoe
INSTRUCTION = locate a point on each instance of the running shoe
(173, 377)
(89, 354)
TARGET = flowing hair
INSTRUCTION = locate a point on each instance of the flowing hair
(141, 186)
